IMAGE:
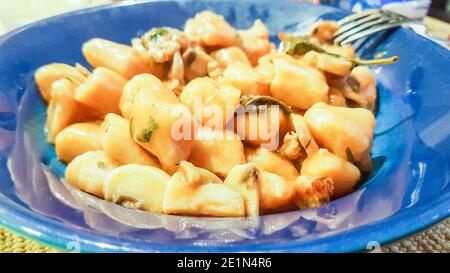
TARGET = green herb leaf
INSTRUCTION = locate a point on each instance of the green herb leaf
(101, 164)
(146, 133)
(157, 33)
(298, 45)
(350, 156)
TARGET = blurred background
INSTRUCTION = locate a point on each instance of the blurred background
(435, 14)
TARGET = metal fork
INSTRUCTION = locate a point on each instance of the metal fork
(366, 23)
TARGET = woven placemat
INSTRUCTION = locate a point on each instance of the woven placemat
(433, 239)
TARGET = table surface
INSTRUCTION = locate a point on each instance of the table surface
(433, 239)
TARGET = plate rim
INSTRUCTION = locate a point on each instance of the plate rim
(36, 229)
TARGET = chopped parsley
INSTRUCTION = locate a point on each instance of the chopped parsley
(157, 33)
(101, 164)
(146, 133)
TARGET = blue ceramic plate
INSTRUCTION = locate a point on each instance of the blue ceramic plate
(407, 191)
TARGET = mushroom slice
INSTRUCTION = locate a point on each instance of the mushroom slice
(244, 179)
(299, 143)
(88, 171)
(196, 62)
(196, 191)
(136, 186)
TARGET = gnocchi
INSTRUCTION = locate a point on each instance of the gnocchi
(77, 139)
(212, 120)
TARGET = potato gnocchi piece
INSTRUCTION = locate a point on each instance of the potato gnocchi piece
(101, 91)
(217, 151)
(344, 174)
(136, 186)
(255, 41)
(122, 59)
(271, 161)
(211, 29)
(117, 143)
(346, 132)
(229, 55)
(46, 75)
(246, 79)
(64, 110)
(275, 193)
(346, 50)
(327, 63)
(87, 172)
(266, 70)
(164, 129)
(138, 83)
(312, 191)
(324, 31)
(298, 85)
(223, 58)
(77, 139)
(244, 178)
(196, 191)
(211, 102)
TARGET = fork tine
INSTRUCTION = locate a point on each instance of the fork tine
(356, 16)
(370, 31)
(356, 23)
(362, 27)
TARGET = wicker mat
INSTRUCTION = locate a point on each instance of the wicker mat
(434, 239)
